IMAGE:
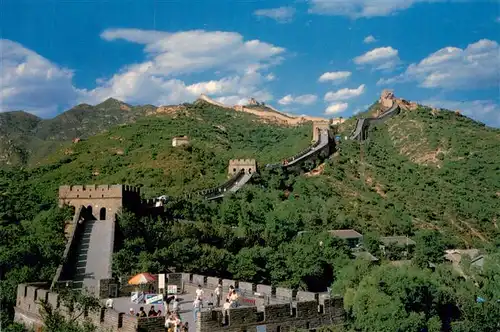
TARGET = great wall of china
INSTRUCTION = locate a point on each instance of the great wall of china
(270, 113)
(88, 254)
(276, 308)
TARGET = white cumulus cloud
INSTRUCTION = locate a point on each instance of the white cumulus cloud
(344, 94)
(32, 83)
(379, 58)
(476, 66)
(362, 8)
(170, 55)
(336, 108)
(369, 39)
(337, 76)
(307, 99)
(280, 15)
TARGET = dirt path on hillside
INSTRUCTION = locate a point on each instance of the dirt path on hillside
(474, 231)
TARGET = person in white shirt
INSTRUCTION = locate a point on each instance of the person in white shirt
(199, 292)
(226, 307)
(218, 294)
(109, 303)
(175, 306)
(196, 308)
(199, 295)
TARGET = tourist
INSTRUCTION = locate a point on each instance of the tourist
(142, 313)
(234, 299)
(166, 303)
(131, 312)
(231, 290)
(196, 308)
(199, 293)
(226, 307)
(218, 294)
(175, 306)
(152, 311)
(211, 301)
(177, 323)
(169, 322)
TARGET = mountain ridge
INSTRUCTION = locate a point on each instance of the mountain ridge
(29, 142)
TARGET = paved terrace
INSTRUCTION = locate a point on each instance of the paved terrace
(247, 299)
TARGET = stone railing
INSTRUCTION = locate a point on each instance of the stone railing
(70, 245)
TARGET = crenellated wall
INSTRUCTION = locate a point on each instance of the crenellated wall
(111, 198)
(275, 307)
(27, 312)
(280, 309)
(236, 165)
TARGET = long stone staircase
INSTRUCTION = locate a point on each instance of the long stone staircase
(88, 255)
(94, 254)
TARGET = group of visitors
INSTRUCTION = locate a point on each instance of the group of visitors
(152, 312)
(173, 323)
(232, 300)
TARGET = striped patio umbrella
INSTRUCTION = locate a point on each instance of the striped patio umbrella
(141, 279)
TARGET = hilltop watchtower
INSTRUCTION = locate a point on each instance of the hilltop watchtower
(103, 201)
(236, 165)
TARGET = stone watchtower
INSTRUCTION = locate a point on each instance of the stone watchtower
(103, 201)
(317, 126)
(387, 98)
(236, 165)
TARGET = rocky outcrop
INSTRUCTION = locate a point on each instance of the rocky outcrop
(211, 101)
(170, 110)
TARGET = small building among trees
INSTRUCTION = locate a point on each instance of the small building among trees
(180, 140)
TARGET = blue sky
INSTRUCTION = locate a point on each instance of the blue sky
(317, 57)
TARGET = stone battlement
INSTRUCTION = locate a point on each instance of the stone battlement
(248, 165)
(102, 201)
(109, 191)
(27, 312)
(278, 308)
(241, 161)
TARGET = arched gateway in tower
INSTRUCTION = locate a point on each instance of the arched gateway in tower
(89, 250)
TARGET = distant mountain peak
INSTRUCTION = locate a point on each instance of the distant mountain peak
(112, 102)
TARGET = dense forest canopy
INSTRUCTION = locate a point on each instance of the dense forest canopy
(434, 177)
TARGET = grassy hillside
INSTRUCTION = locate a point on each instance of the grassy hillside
(420, 172)
(141, 153)
(421, 169)
(27, 139)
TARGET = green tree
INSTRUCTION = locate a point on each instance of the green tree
(429, 248)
